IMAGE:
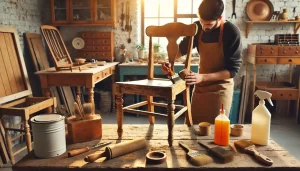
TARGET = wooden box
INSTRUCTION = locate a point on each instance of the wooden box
(84, 130)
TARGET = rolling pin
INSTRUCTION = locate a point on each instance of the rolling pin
(118, 150)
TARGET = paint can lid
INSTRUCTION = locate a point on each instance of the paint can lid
(47, 118)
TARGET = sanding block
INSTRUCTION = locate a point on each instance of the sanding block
(220, 153)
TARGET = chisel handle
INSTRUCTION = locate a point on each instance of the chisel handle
(93, 157)
(75, 152)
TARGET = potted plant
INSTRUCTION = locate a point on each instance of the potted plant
(156, 47)
(140, 48)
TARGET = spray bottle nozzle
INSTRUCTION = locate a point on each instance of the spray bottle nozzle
(262, 95)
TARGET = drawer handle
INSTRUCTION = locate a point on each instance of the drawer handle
(261, 51)
(272, 51)
(284, 51)
(296, 52)
(290, 48)
(272, 48)
(97, 78)
(290, 60)
(281, 94)
(103, 54)
(266, 60)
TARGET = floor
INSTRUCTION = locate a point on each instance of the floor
(284, 131)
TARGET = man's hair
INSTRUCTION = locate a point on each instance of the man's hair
(211, 9)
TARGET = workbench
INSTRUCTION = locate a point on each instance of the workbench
(87, 77)
(156, 136)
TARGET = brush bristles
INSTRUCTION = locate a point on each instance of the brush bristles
(200, 160)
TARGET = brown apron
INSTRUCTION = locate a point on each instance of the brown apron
(208, 96)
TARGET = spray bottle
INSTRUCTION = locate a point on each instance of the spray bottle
(222, 128)
(261, 120)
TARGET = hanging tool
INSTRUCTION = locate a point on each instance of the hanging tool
(122, 16)
(233, 9)
(75, 152)
(129, 30)
(127, 16)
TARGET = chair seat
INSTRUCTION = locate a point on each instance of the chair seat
(154, 87)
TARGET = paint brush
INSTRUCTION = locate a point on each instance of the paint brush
(196, 158)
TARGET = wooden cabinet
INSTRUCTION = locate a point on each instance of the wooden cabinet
(278, 55)
(84, 12)
(98, 45)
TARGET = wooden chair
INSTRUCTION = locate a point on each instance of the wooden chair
(58, 50)
(159, 87)
(15, 90)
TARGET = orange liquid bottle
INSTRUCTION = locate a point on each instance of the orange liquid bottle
(222, 128)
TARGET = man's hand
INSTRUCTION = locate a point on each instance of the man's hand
(166, 66)
(193, 78)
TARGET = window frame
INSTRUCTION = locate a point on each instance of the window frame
(176, 16)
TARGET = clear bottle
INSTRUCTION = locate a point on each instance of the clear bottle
(222, 129)
(261, 120)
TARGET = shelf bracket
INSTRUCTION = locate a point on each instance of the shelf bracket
(296, 28)
(248, 29)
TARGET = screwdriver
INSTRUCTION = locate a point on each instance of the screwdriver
(75, 152)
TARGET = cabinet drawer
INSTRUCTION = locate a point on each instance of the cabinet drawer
(289, 51)
(285, 60)
(285, 95)
(106, 72)
(96, 35)
(97, 41)
(98, 77)
(266, 50)
(266, 60)
(96, 48)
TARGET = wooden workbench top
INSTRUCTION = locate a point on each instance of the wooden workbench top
(156, 136)
(76, 71)
(146, 64)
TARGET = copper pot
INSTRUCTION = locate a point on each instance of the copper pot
(259, 10)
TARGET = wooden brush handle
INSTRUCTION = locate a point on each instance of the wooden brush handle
(93, 157)
(75, 152)
(258, 156)
(185, 147)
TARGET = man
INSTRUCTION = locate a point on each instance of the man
(219, 44)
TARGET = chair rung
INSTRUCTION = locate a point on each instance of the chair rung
(136, 105)
(15, 129)
(140, 112)
(180, 112)
(166, 105)
(17, 136)
(20, 150)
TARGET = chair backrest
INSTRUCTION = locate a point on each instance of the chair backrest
(172, 31)
(14, 82)
(56, 46)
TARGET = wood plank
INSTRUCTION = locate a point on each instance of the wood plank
(14, 62)
(3, 149)
(4, 74)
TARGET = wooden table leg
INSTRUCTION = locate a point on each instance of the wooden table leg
(120, 114)
(46, 92)
(91, 95)
(170, 108)
(113, 94)
(8, 142)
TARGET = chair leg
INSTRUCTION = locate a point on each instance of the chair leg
(171, 108)
(9, 145)
(151, 109)
(187, 102)
(28, 135)
(120, 114)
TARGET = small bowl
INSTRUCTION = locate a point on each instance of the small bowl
(236, 130)
(80, 60)
(204, 129)
(156, 157)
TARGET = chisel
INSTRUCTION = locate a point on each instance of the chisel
(75, 152)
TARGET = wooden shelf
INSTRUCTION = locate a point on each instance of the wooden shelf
(249, 24)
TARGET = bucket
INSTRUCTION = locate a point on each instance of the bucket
(48, 135)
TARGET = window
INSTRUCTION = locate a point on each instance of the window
(160, 12)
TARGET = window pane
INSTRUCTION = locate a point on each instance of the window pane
(166, 8)
(164, 21)
(185, 20)
(184, 6)
(196, 4)
(151, 8)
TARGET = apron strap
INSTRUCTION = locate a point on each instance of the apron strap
(221, 33)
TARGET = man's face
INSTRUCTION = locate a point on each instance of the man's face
(208, 25)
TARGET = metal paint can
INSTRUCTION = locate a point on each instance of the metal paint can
(49, 135)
